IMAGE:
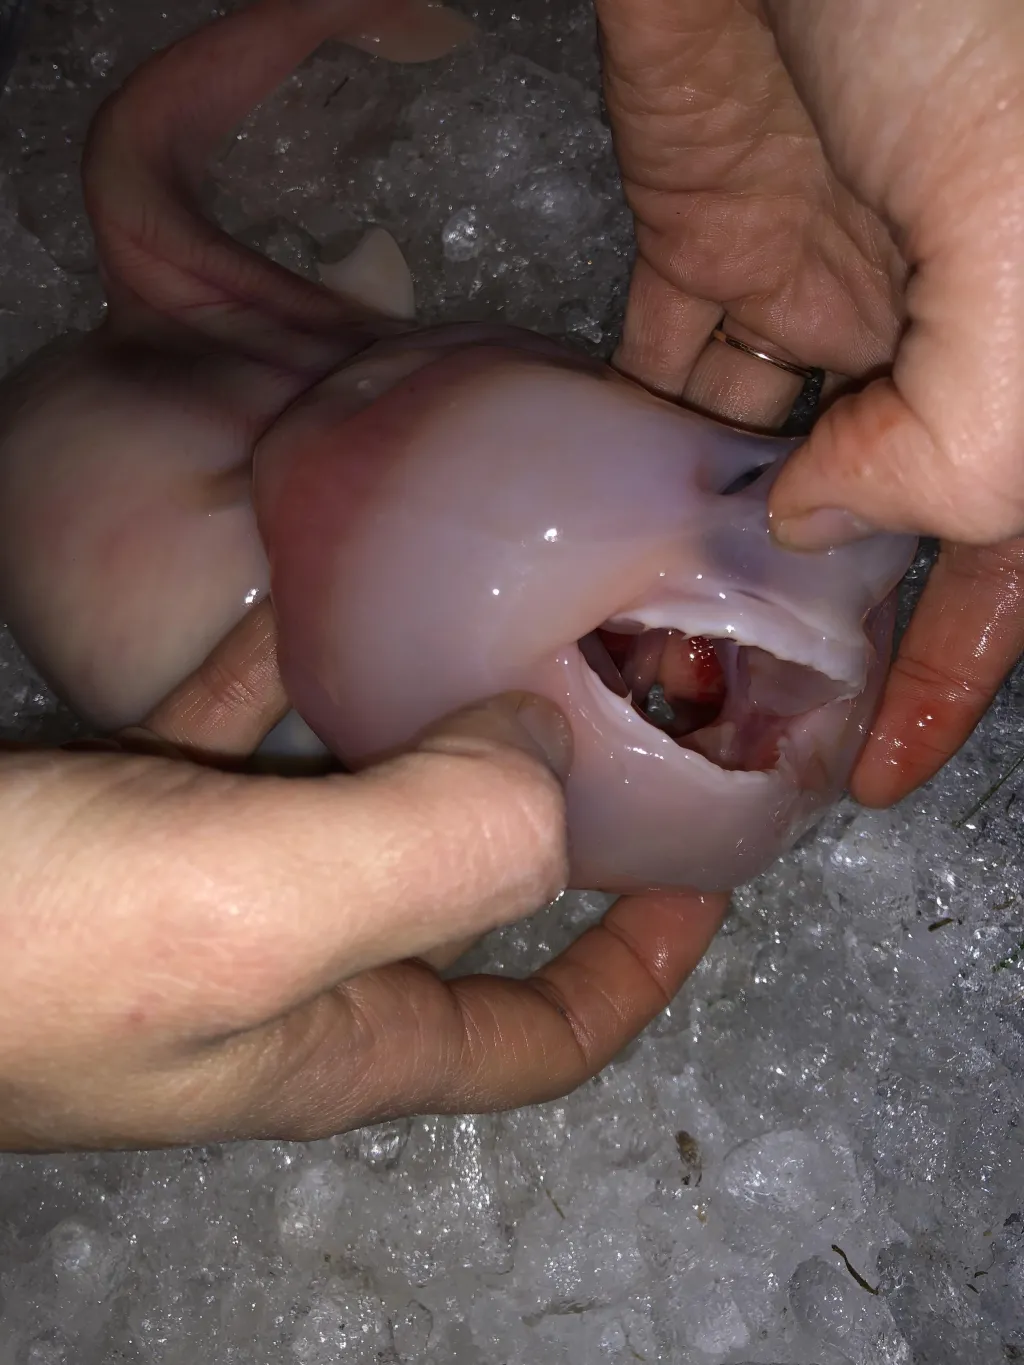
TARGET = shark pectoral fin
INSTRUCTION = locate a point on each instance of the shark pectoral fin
(374, 275)
(419, 31)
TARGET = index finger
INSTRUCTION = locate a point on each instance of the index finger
(664, 332)
(399, 1040)
(232, 701)
(965, 635)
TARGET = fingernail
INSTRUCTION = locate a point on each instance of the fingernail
(547, 728)
(519, 719)
(826, 528)
(529, 723)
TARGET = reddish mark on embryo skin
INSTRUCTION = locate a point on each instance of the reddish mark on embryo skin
(690, 670)
(685, 667)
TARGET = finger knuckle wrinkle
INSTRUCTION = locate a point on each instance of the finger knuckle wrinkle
(933, 681)
(643, 962)
(226, 688)
(583, 1042)
(996, 566)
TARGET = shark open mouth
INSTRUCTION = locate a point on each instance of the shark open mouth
(729, 702)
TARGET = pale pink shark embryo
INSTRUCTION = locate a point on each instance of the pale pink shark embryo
(439, 516)
(490, 526)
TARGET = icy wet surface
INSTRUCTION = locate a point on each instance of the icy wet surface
(814, 1158)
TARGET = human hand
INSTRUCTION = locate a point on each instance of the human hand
(194, 954)
(844, 184)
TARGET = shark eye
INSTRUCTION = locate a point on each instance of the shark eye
(744, 480)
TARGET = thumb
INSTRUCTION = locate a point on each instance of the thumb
(871, 464)
(464, 831)
(263, 892)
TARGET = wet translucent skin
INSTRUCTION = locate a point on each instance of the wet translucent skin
(456, 537)
(128, 546)
(446, 515)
